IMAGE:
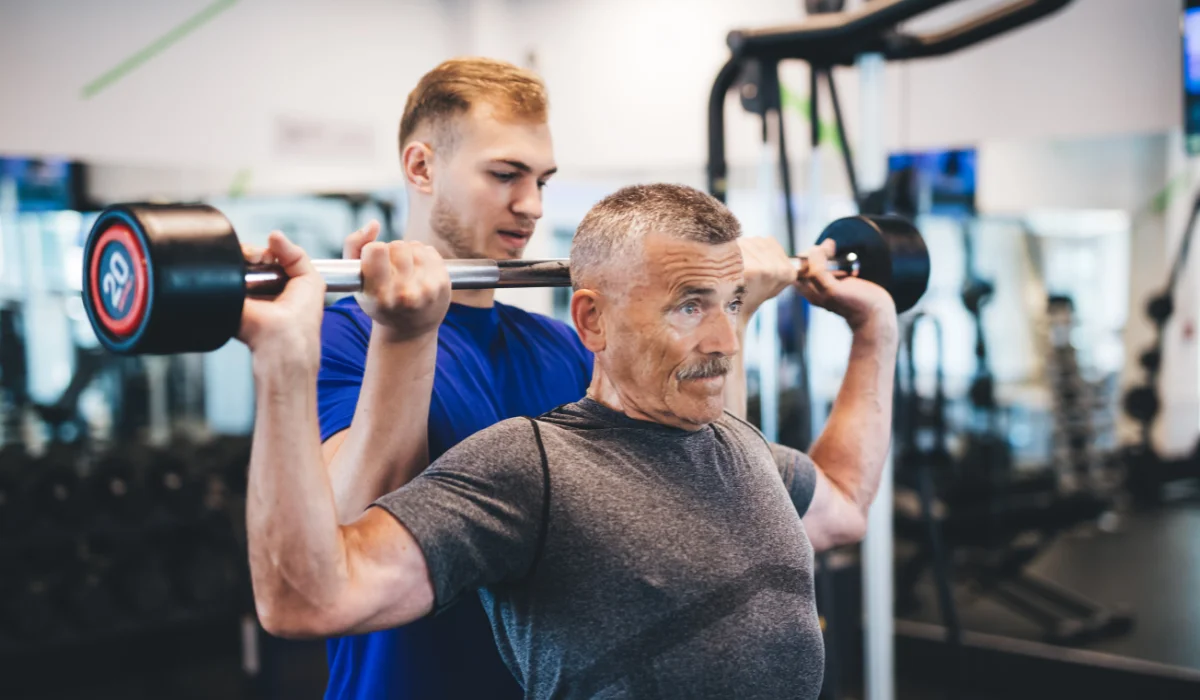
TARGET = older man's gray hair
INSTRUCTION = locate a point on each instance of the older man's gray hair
(608, 244)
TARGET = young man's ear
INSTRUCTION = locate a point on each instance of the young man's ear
(417, 161)
(587, 313)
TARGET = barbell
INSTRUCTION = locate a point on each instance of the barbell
(171, 278)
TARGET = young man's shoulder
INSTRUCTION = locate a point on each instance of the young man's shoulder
(347, 312)
(550, 331)
(517, 315)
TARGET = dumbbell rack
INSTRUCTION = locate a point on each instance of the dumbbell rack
(86, 571)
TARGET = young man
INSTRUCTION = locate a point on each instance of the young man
(476, 154)
(638, 543)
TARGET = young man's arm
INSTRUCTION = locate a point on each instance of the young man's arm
(467, 522)
(406, 293)
(387, 443)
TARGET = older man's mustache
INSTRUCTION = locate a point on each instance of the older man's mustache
(712, 367)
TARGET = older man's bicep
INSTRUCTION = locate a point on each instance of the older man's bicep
(799, 475)
(389, 583)
(477, 513)
(833, 519)
(830, 516)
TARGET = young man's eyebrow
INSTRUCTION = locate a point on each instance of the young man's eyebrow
(524, 167)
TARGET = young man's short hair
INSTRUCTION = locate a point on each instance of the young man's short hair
(454, 87)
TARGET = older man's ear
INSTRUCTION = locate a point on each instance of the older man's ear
(588, 316)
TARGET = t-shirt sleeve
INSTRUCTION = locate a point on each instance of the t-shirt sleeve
(799, 475)
(478, 511)
(344, 343)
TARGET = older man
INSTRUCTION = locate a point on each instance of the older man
(638, 543)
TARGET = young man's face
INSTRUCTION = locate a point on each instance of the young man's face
(487, 195)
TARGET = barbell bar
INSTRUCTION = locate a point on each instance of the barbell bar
(171, 278)
(346, 275)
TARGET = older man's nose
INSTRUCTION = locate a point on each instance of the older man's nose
(720, 337)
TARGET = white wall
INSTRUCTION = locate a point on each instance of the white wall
(1099, 67)
(216, 98)
(629, 79)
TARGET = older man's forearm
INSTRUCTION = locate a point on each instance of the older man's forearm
(297, 555)
(853, 446)
(387, 444)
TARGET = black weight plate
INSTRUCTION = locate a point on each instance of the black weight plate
(190, 295)
(890, 253)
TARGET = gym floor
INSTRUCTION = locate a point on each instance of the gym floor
(1150, 565)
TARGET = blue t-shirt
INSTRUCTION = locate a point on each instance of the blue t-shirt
(492, 364)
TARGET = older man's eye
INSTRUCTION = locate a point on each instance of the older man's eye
(735, 307)
(690, 309)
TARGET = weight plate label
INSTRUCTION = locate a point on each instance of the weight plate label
(118, 281)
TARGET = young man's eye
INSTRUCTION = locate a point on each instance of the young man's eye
(504, 177)
(542, 184)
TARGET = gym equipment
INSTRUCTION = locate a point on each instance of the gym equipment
(1147, 472)
(162, 279)
(1079, 423)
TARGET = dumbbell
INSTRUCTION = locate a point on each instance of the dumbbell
(162, 279)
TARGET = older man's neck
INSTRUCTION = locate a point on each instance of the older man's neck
(604, 392)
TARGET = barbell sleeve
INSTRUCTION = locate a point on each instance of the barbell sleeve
(346, 275)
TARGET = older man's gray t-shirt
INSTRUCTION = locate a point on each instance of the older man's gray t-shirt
(624, 559)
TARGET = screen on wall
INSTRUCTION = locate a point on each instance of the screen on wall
(1191, 75)
(44, 184)
(933, 182)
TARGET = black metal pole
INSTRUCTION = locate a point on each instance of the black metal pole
(785, 170)
(843, 139)
(717, 166)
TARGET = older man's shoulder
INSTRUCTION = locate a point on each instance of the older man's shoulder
(741, 428)
(507, 442)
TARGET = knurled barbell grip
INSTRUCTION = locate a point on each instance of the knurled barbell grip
(346, 275)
